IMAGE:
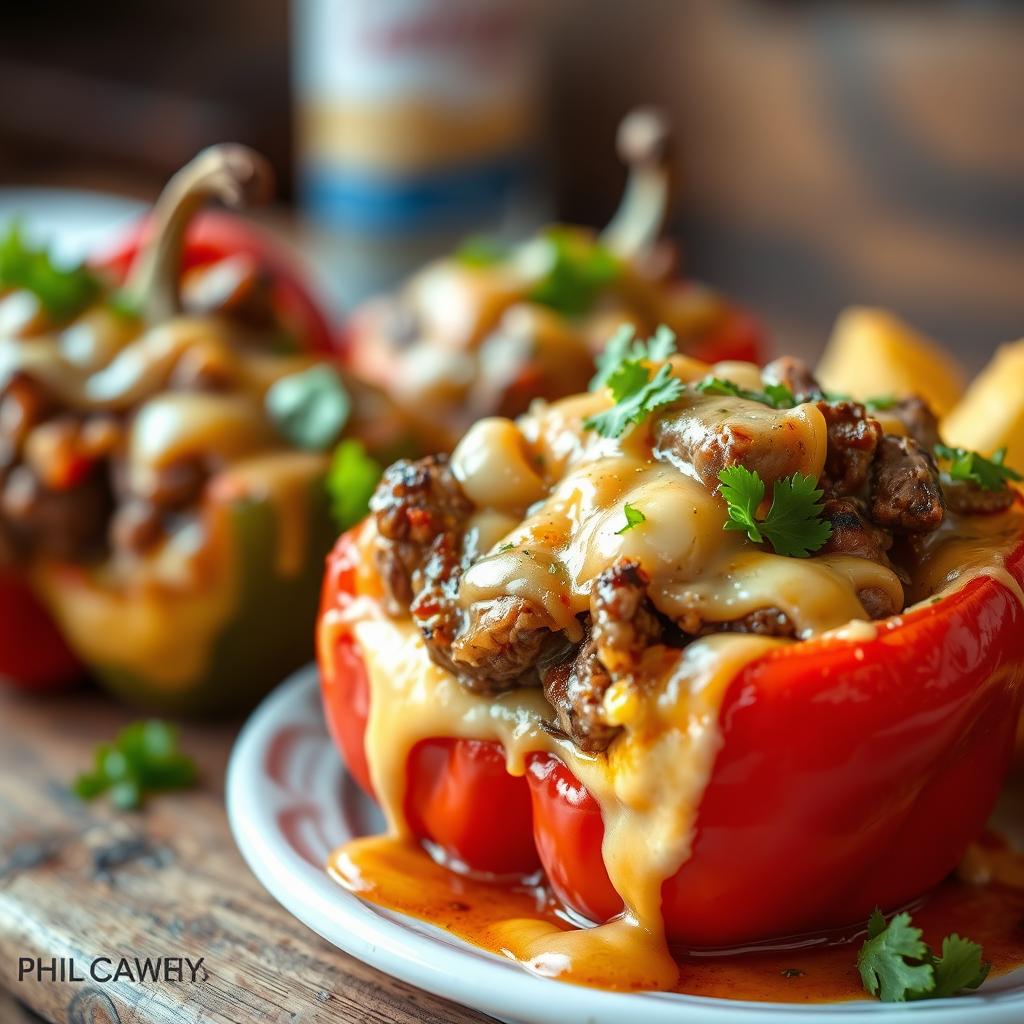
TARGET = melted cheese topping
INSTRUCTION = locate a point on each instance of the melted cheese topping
(558, 492)
(133, 610)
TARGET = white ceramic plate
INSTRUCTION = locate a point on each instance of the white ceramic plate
(290, 802)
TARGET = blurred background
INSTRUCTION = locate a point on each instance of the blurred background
(826, 153)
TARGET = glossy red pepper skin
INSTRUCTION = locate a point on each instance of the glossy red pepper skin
(459, 795)
(33, 655)
(739, 337)
(212, 236)
(851, 774)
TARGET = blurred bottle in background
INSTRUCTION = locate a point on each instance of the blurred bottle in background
(417, 125)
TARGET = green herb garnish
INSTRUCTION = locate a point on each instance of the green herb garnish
(634, 517)
(624, 347)
(351, 480)
(481, 251)
(896, 964)
(144, 758)
(775, 396)
(794, 524)
(623, 370)
(578, 271)
(989, 474)
(310, 408)
(62, 291)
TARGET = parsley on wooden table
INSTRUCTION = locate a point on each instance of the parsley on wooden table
(896, 964)
(144, 758)
(989, 474)
(794, 524)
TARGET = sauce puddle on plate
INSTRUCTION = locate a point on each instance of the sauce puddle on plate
(401, 876)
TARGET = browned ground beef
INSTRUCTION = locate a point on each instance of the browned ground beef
(853, 438)
(905, 490)
(623, 625)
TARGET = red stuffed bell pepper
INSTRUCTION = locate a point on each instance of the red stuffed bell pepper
(851, 769)
(213, 262)
(493, 326)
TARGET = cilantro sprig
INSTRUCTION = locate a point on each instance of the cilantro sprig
(144, 758)
(989, 474)
(623, 370)
(775, 396)
(310, 408)
(794, 525)
(62, 291)
(634, 517)
(351, 481)
(896, 964)
(578, 271)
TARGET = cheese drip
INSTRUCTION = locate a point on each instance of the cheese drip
(565, 489)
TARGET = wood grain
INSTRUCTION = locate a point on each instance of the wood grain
(84, 881)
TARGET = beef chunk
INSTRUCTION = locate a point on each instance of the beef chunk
(853, 533)
(796, 375)
(920, 422)
(576, 690)
(763, 622)
(493, 646)
(685, 438)
(623, 620)
(415, 504)
(624, 624)
(905, 491)
(67, 524)
(853, 437)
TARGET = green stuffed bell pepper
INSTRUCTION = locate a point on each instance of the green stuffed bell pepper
(165, 446)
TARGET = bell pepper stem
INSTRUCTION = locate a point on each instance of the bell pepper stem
(643, 145)
(234, 174)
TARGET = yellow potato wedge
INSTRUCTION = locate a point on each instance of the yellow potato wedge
(871, 352)
(991, 414)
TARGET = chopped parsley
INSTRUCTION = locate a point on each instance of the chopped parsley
(624, 347)
(310, 408)
(623, 370)
(794, 525)
(481, 251)
(351, 480)
(989, 474)
(775, 396)
(144, 758)
(634, 517)
(896, 964)
(578, 271)
(62, 291)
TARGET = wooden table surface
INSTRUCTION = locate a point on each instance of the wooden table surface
(83, 881)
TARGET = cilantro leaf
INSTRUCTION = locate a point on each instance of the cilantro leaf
(634, 517)
(310, 408)
(883, 959)
(351, 481)
(880, 403)
(989, 474)
(636, 397)
(775, 396)
(62, 291)
(578, 271)
(144, 758)
(481, 251)
(794, 525)
(895, 963)
(960, 966)
(625, 347)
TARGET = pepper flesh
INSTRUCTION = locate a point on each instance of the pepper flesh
(851, 773)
